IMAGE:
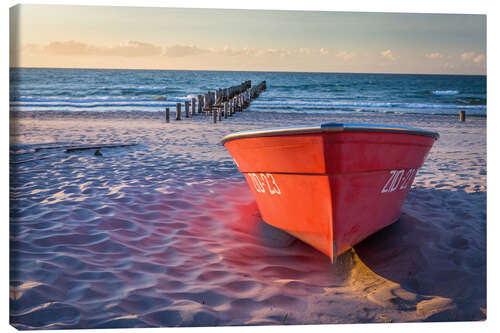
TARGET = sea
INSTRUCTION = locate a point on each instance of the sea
(102, 90)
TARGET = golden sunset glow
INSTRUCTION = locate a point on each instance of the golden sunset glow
(220, 39)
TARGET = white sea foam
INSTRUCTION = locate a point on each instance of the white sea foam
(445, 92)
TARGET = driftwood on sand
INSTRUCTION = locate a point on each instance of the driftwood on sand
(73, 148)
(78, 148)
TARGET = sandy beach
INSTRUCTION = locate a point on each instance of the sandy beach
(166, 232)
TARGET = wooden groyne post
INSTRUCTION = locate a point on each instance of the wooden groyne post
(198, 103)
(221, 103)
(461, 116)
(193, 106)
(178, 111)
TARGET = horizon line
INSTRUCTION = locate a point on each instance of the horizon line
(231, 70)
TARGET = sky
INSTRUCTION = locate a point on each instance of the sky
(257, 40)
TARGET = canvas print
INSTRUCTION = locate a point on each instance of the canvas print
(215, 167)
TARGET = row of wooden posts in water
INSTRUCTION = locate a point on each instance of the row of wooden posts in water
(221, 103)
(224, 103)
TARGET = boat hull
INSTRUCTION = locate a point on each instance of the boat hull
(330, 189)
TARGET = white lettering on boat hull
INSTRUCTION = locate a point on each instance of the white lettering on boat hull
(264, 183)
(398, 180)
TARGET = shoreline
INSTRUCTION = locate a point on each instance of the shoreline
(160, 115)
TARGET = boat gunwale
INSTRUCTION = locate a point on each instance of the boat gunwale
(328, 127)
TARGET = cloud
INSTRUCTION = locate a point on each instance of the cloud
(279, 52)
(143, 49)
(479, 59)
(466, 56)
(127, 49)
(228, 50)
(323, 51)
(346, 55)
(246, 51)
(136, 49)
(387, 54)
(179, 51)
(71, 48)
(304, 51)
(472, 56)
(434, 55)
(252, 52)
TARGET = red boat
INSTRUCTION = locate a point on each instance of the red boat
(334, 184)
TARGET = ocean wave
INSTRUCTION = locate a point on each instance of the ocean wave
(445, 92)
(471, 101)
(311, 86)
(127, 108)
(136, 92)
(86, 91)
(471, 113)
(97, 101)
(74, 99)
(157, 104)
(353, 104)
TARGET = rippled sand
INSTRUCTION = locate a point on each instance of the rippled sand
(166, 232)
